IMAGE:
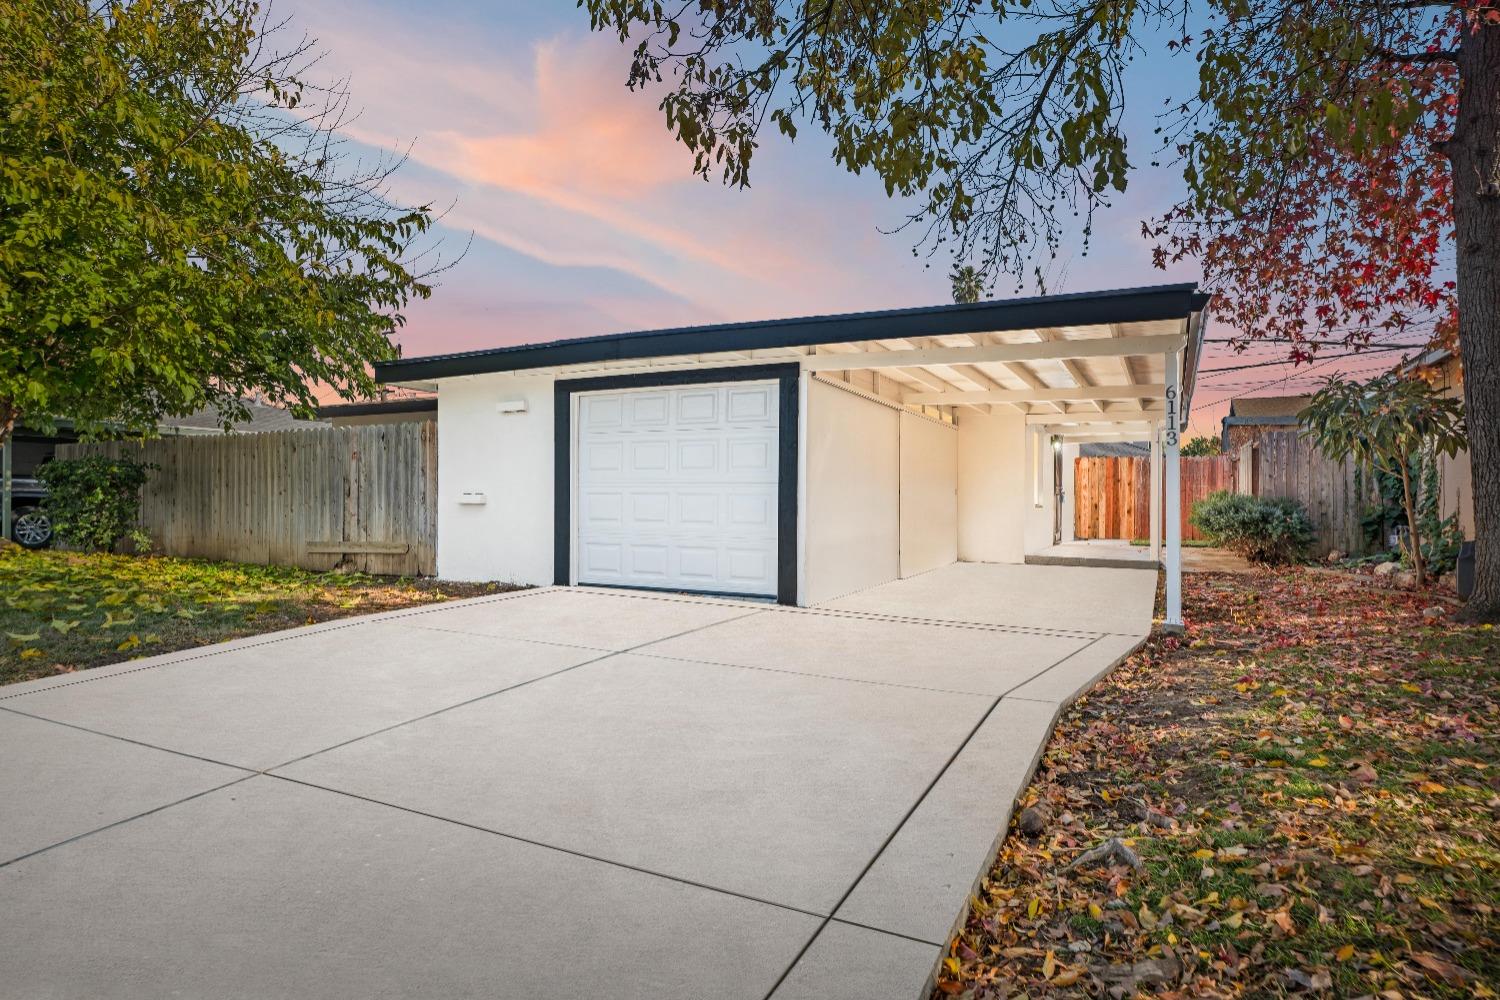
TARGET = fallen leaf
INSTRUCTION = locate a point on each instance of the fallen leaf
(1441, 968)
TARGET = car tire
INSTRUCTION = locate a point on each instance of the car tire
(31, 528)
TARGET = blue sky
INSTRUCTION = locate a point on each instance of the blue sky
(586, 219)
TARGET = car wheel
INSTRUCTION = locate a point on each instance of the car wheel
(32, 529)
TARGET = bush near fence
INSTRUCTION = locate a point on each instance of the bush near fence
(1111, 496)
(359, 498)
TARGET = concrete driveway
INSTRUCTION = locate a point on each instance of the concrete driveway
(553, 793)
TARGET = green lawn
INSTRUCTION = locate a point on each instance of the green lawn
(65, 611)
(1309, 778)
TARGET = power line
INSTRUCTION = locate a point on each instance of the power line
(1290, 375)
(1332, 357)
(1272, 341)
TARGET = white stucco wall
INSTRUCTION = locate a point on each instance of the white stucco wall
(508, 458)
(966, 491)
(994, 496)
(852, 517)
(929, 494)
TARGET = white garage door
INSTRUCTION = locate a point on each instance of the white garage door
(677, 488)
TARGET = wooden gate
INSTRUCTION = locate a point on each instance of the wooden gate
(1112, 496)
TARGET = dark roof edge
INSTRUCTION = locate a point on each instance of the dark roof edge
(1128, 305)
(414, 405)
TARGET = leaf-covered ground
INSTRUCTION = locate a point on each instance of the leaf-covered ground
(1310, 781)
(65, 611)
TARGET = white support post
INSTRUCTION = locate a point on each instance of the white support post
(1171, 442)
(1156, 495)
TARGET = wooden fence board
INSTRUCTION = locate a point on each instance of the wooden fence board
(293, 497)
(1287, 465)
(1112, 496)
(1278, 464)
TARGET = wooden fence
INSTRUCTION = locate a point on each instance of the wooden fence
(1112, 496)
(1283, 464)
(359, 498)
(1112, 499)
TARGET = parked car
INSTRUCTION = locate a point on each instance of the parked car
(30, 527)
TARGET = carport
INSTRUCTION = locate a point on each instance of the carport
(806, 459)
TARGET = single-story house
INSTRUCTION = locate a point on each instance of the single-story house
(263, 418)
(1250, 417)
(1115, 449)
(800, 459)
(406, 409)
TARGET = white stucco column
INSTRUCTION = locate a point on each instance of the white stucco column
(1171, 447)
(1156, 495)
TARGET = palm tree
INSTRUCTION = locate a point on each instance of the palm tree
(968, 285)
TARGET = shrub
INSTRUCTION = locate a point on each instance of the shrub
(1269, 531)
(94, 501)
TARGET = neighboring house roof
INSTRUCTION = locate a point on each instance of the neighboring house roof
(1262, 411)
(1159, 302)
(262, 418)
(413, 404)
(1267, 406)
(1114, 449)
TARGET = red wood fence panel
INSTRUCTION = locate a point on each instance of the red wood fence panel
(1112, 496)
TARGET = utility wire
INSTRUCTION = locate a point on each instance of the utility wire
(1285, 378)
(1332, 357)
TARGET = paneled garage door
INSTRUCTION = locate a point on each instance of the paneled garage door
(677, 488)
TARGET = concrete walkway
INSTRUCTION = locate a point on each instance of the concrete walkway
(554, 793)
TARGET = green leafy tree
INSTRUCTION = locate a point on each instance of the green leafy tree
(1201, 446)
(178, 227)
(1333, 153)
(1384, 424)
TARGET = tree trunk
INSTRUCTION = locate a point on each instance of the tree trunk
(1474, 152)
(1413, 535)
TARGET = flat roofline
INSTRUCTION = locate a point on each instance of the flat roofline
(1126, 305)
(417, 404)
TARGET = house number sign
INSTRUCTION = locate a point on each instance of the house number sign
(1171, 416)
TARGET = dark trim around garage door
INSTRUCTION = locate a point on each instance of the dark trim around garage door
(787, 422)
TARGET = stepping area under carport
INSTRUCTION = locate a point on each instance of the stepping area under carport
(549, 793)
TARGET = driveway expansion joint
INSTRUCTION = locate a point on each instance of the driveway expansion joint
(546, 846)
(128, 819)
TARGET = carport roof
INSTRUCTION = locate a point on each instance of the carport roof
(1129, 305)
(1067, 356)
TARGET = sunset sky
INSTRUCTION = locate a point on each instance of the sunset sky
(586, 219)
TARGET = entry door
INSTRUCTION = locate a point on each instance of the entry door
(677, 488)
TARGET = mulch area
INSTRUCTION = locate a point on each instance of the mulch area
(1298, 796)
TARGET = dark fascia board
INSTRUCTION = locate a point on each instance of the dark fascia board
(1130, 305)
(1197, 325)
(385, 406)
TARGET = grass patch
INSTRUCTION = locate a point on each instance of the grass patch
(1311, 780)
(66, 611)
